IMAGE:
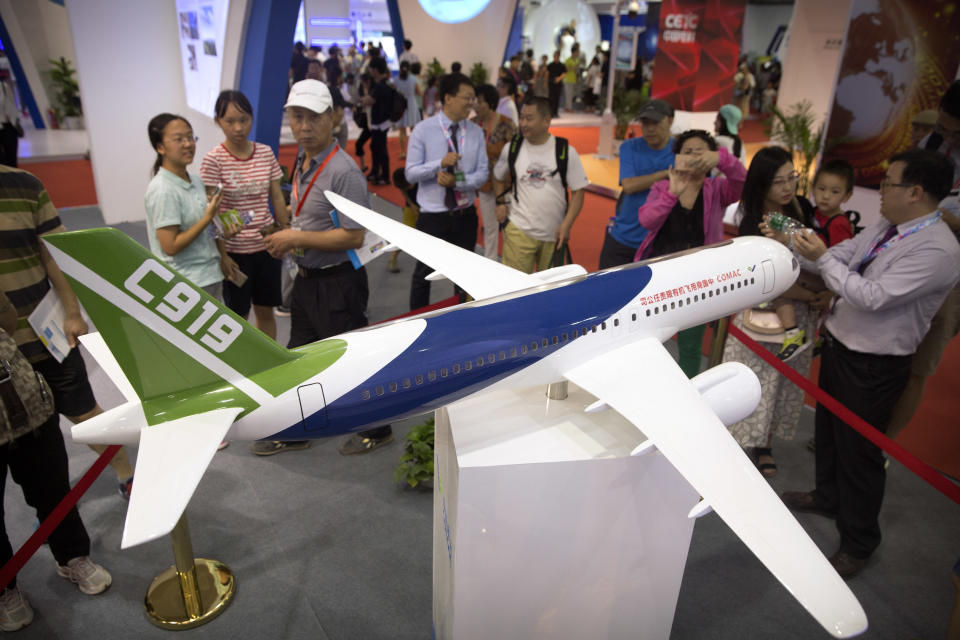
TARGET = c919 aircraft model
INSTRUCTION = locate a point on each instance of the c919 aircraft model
(193, 373)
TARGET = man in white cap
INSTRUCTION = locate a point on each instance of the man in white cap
(329, 295)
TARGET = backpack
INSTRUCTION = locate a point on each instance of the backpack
(562, 156)
(852, 216)
(398, 104)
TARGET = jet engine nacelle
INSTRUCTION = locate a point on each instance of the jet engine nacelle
(731, 389)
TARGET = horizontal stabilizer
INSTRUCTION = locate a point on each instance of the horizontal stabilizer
(173, 456)
(478, 276)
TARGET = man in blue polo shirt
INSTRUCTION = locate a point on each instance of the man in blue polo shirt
(643, 161)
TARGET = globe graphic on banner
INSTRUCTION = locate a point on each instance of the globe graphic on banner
(876, 80)
(452, 11)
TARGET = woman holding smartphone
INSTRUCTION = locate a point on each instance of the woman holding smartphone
(250, 176)
(178, 213)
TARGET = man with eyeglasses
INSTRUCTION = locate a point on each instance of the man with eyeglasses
(945, 324)
(447, 159)
(889, 280)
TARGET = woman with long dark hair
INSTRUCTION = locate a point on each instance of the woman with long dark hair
(771, 187)
(178, 213)
(250, 177)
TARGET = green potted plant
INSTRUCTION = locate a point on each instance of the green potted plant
(416, 463)
(435, 69)
(67, 108)
(793, 128)
(478, 74)
(625, 106)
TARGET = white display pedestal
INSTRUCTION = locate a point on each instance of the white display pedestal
(545, 527)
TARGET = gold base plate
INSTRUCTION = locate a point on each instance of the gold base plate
(164, 599)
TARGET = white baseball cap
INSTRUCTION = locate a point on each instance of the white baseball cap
(310, 94)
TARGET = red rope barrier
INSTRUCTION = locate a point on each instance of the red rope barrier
(50, 523)
(907, 459)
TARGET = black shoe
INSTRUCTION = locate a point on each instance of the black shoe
(846, 565)
(270, 447)
(381, 182)
(807, 501)
(358, 443)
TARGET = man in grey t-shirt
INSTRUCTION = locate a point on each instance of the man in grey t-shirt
(329, 295)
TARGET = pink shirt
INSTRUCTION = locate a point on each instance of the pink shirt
(718, 193)
(246, 188)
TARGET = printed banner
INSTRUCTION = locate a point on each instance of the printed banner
(697, 53)
(900, 57)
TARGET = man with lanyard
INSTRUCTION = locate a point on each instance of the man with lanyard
(643, 161)
(329, 295)
(447, 158)
(889, 281)
(945, 325)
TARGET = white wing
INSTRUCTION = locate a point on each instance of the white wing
(644, 384)
(173, 456)
(478, 276)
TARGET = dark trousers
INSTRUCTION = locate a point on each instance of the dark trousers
(614, 253)
(459, 228)
(9, 142)
(554, 92)
(38, 463)
(378, 150)
(328, 302)
(850, 473)
(362, 140)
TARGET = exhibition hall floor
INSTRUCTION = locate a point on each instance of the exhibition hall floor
(326, 546)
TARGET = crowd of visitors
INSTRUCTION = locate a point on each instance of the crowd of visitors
(881, 303)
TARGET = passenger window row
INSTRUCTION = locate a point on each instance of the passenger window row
(459, 367)
(699, 297)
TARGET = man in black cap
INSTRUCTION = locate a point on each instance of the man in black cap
(643, 161)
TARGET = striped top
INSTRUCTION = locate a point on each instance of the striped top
(26, 213)
(246, 188)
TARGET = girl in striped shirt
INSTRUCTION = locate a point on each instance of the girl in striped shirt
(250, 175)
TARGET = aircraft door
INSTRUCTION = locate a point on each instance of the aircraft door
(312, 406)
(768, 276)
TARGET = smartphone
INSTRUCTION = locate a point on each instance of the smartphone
(212, 192)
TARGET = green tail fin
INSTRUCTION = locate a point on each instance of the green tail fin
(167, 334)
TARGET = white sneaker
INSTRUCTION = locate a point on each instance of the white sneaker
(90, 577)
(15, 611)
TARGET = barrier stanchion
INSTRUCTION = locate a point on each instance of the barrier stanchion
(13, 566)
(907, 459)
(192, 592)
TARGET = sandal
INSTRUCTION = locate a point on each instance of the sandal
(767, 469)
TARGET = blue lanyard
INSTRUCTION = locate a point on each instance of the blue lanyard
(900, 236)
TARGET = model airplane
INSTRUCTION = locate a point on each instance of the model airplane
(193, 373)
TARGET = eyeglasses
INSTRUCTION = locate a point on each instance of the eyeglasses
(790, 179)
(467, 99)
(886, 184)
(183, 139)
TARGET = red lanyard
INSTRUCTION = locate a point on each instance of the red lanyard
(296, 182)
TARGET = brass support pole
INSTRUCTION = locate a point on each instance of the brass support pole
(719, 340)
(192, 592)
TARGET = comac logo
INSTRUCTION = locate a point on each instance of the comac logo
(729, 275)
(179, 300)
